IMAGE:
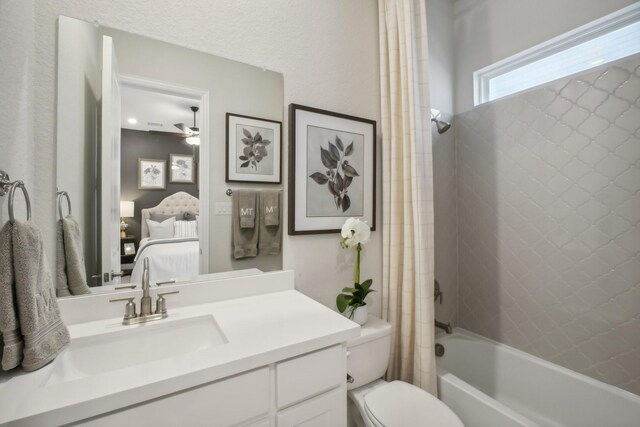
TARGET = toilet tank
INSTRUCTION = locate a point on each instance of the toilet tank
(368, 355)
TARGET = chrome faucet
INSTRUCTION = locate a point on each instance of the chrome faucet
(145, 301)
(437, 295)
(146, 314)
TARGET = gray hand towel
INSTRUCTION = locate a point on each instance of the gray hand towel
(62, 282)
(245, 240)
(270, 205)
(45, 336)
(270, 238)
(9, 322)
(246, 208)
(74, 257)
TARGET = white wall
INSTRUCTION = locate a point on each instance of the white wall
(487, 31)
(16, 97)
(441, 47)
(327, 51)
(77, 127)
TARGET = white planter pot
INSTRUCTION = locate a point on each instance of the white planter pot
(360, 315)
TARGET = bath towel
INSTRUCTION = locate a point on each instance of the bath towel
(270, 237)
(9, 322)
(62, 282)
(270, 204)
(44, 333)
(245, 240)
(246, 208)
(74, 257)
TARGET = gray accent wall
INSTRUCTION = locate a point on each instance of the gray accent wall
(147, 145)
(548, 186)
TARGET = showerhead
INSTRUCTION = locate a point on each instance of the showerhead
(441, 125)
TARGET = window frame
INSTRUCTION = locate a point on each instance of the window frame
(609, 23)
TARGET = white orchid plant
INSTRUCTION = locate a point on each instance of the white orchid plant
(355, 233)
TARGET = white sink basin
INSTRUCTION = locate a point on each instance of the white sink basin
(135, 345)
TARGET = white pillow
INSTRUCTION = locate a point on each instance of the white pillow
(161, 230)
(185, 229)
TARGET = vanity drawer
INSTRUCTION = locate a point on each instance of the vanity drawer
(309, 375)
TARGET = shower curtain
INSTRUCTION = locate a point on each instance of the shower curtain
(407, 300)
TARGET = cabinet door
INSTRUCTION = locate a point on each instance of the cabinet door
(227, 402)
(326, 410)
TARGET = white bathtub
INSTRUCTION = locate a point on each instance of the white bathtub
(489, 384)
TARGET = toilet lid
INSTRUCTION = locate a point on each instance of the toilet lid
(399, 404)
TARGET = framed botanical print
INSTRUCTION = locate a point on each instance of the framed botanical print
(152, 174)
(254, 149)
(183, 169)
(332, 164)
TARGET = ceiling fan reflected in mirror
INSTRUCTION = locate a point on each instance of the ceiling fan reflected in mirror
(192, 134)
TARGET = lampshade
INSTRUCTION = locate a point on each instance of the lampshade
(126, 209)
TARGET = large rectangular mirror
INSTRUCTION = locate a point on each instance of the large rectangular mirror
(141, 157)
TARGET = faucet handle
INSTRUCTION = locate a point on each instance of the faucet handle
(161, 303)
(166, 282)
(129, 308)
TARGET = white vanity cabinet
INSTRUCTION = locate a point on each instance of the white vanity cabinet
(308, 390)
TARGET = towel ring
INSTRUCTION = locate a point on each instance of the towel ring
(64, 194)
(12, 190)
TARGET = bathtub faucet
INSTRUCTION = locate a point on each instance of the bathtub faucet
(444, 326)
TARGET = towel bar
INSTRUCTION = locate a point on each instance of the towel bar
(63, 194)
(8, 187)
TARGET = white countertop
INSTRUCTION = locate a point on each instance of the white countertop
(260, 330)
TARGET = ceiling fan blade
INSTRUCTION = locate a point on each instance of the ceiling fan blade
(184, 128)
(176, 134)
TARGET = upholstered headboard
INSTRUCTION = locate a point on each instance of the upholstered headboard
(171, 205)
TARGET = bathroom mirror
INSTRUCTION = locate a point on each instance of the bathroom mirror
(141, 143)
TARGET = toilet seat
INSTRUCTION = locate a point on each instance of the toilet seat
(398, 404)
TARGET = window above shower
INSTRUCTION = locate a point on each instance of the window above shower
(602, 41)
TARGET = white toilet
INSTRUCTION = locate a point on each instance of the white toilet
(374, 402)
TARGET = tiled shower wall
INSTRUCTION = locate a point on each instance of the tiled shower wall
(549, 222)
(446, 223)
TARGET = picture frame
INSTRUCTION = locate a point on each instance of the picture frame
(152, 174)
(248, 158)
(332, 170)
(129, 248)
(183, 169)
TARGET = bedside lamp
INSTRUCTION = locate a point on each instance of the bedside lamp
(126, 211)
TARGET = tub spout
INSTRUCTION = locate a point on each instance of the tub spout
(445, 326)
